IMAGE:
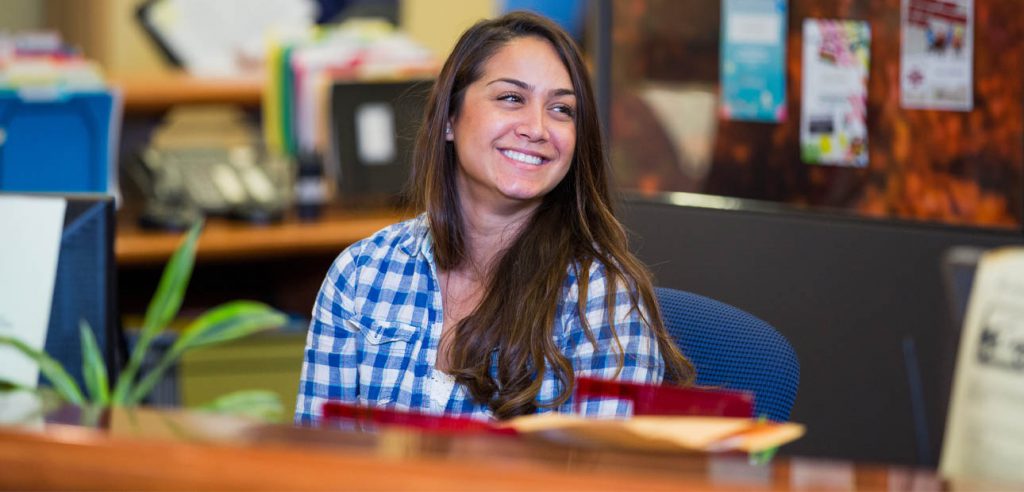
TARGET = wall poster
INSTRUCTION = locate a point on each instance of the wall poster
(833, 114)
(753, 60)
(937, 54)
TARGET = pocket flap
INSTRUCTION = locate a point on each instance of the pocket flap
(378, 332)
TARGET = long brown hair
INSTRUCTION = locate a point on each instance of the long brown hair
(572, 228)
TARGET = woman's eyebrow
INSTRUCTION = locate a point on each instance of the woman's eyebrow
(529, 88)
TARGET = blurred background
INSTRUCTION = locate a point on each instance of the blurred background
(289, 123)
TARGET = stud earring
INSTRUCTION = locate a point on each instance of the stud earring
(448, 129)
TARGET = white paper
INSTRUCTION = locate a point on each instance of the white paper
(227, 37)
(312, 68)
(985, 429)
(375, 133)
(936, 54)
(22, 409)
(29, 250)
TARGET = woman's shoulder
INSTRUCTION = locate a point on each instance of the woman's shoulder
(406, 237)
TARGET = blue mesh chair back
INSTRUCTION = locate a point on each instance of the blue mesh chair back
(732, 349)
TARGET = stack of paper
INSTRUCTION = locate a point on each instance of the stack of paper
(666, 433)
(302, 66)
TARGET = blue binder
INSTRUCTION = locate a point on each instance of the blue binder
(61, 142)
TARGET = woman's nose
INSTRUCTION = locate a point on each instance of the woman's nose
(533, 126)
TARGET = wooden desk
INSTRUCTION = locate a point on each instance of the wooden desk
(224, 239)
(213, 453)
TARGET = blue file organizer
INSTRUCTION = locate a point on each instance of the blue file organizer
(59, 142)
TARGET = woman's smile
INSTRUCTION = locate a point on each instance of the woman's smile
(524, 157)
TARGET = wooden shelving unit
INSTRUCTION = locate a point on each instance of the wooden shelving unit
(229, 240)
(159, 91)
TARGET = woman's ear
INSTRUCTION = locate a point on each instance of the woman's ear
(449, 135)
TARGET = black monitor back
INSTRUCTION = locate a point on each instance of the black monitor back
(379, 180)
(85, 285)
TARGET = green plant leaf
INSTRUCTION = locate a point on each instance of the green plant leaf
(163, 307)
(94, 369)
(229, 321)
(261, 404)
(762, 457)
(59, 378)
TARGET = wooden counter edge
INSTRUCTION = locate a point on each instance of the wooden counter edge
(67, 458)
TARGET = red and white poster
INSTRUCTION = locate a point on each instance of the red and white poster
(937, 53)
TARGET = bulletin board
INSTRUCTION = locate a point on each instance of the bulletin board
(947, 156)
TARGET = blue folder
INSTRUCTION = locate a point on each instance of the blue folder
(60, 142)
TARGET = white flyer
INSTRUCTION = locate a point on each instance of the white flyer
(937, 54)
(833, 113)
(984, 430)
(29, 249)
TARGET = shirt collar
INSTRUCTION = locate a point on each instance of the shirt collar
(417, 238)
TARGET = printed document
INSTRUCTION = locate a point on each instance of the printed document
(984, 429)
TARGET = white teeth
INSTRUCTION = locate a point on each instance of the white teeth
(521, 157)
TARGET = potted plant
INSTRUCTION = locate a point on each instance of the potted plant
(226, 322)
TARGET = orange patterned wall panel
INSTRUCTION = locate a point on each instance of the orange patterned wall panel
(950, 167)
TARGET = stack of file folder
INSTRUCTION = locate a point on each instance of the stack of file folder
(59, 121)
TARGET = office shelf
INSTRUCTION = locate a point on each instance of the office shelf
(149, 93)
(224, 239)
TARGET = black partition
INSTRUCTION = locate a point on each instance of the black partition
(855, 297)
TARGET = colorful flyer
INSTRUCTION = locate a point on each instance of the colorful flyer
(753, 60)
(833, 115)
(937, 53)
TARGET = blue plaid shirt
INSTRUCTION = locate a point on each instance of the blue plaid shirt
(377, 322)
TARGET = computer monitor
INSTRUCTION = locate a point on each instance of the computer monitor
(85, 285)
(63, 268)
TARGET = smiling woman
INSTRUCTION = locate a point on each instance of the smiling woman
(516, 279)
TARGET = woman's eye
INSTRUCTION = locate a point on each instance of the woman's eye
(510, 97)
(566, 110)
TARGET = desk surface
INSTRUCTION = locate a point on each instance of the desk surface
(184, 451)
(225, 239)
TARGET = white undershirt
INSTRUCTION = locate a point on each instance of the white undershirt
(440, 389)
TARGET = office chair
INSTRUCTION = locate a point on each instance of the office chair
(732, 349)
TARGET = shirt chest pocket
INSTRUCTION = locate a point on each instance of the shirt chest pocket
(387, 353)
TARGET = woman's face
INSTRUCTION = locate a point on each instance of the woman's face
(515, 133)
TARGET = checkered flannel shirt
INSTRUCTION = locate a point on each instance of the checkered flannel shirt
(377, 322)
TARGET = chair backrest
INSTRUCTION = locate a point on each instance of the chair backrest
(731, 349)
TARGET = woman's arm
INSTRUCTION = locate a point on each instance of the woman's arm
(330, 366)
(639, 354)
